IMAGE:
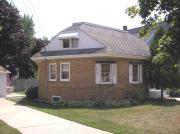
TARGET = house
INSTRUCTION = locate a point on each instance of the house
(150, 37)
(3, 81)
(92, 62)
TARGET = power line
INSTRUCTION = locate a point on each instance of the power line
(26, 7)
(32, 7)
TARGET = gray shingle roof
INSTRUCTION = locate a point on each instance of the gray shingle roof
(117, 41)
(114, 40)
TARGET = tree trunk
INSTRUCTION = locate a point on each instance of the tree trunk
(162, 93)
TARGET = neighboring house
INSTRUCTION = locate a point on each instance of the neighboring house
(3, 81)
(92, 62)
(150, 37)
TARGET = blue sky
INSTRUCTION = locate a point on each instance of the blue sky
(52, 16)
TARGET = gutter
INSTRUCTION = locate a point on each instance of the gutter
(103, 55)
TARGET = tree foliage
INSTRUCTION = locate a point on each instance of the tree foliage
(17, 41)
(13, 41)
(28, 26)
(29, 68)
(165, 50)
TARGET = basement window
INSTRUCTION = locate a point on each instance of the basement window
(56, 100)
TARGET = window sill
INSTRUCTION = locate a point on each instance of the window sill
(136, 83)
(106, 83)
(64, 80)
(52, 80)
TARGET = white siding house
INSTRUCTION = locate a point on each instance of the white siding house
(3, 81)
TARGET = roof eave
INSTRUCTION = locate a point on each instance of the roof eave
(104, 55)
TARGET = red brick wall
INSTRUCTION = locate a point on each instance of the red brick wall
(82, 85)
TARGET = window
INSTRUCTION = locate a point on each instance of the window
(106, 73)
(135, 73)
(74, 43)
(52, 72)
(66, 43)
(70, 43)
(56, 100)
(65, 72)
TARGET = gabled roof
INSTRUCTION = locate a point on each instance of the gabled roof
(115, 41)
(3, 70)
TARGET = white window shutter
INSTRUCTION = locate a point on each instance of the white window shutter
(114, 73)
(140, 74)
(98, 73)
(130, 73)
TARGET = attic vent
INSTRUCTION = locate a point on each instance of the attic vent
(56, 100)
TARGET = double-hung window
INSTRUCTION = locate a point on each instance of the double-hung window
(135, 73)
(65, 72)
(106, 73)
(52, 72)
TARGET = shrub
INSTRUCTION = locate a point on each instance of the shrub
(137, 95)
(174, 93)
(32, 93)
(134, 102)
(91, 104)
(79, 104)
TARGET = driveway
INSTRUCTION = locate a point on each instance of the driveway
(30, 121)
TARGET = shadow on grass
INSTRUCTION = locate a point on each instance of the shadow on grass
(42, 105)
(164, 102)
(32, 103)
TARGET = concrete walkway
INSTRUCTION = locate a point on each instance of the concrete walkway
(30, 121)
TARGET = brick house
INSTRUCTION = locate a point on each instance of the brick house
(91, 62)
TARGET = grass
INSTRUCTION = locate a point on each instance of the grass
(20, 92)
(6, 129)
(154, 117)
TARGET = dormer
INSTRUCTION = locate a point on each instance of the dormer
(69, 40)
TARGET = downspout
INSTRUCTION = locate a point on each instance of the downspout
(46, 76)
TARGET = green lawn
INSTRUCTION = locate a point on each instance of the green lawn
(5, 129)
(155, 117)
(20, 92)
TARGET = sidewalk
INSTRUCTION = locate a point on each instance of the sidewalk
(30, 121)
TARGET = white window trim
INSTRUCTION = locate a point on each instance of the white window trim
(55, 96)
(50, 72)
(113, 74)
(139, 80)
(61, 71)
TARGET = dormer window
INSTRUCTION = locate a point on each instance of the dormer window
(74, 43)
(66, 43)
(69, 40)
(70, 43)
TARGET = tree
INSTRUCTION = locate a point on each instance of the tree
(17, 41)
(165, 50)
(13, 41)
(28, 26)
(28, 67)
